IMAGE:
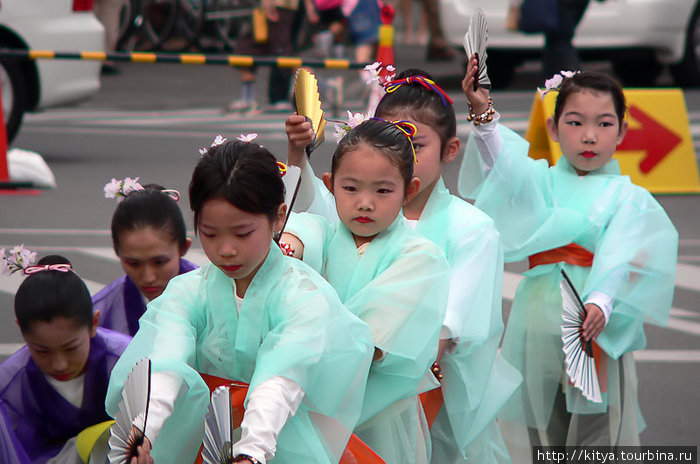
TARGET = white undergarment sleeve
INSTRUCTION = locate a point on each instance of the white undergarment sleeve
(603, 301)
(71, 390)
(165, 388)
(489, 142)
(307, 192)
(269, 407)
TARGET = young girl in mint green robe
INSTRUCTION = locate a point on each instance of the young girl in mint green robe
(633, 246)
(476, 380)
(397, 282)
(289, 324)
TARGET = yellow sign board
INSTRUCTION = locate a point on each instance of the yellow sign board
(657, 152)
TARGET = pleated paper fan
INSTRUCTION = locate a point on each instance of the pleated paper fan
(475, 42)
(578, 353)
(132, 414)
(308, 104)
(218, 428)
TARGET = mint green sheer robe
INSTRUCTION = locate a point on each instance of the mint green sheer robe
(399, 287)
(291, 324)
(477, 381)
(538, 208)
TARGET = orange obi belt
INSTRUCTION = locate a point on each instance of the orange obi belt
(572, 254)
(356, 451)
(431, 401)
(575, 255)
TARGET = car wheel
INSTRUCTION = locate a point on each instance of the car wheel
(641, 71)
(687, 72)
(14, 96)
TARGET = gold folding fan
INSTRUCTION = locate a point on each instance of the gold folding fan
(308, 104)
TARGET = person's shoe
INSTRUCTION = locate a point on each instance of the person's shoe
(109, 69)
(240, 106)
(253, 109)
(281, 106)
(440, 53)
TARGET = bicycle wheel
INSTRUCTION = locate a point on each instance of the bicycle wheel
(191, 20)
(231, 19)
(159, 19)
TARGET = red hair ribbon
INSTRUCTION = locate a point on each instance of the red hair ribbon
(282, 167)
(409, 129)
(429, 84)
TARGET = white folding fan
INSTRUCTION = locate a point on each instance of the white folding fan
(475, 41)
(218, 428)
(128, 431)
(578, 353)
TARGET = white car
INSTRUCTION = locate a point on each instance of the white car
(61, 25)
(638, 36)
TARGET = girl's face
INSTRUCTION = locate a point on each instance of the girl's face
(588, 130)
(429, 154)
(369, 192)
(60, 347)
(236, 241)
(150, 257)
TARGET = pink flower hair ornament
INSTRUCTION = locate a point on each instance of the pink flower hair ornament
(121, 188)
(19, 259)
(343, 127)
(555, 82)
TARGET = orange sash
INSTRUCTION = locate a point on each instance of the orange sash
(356, 451)
(571, 254)
(432, 402)
(576, 255)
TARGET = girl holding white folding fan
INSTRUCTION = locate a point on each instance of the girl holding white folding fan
(612, 238)
(254, 316)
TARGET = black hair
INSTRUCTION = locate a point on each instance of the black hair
(422, 104)
(594, 81)
(150, 207)
(245, 174)
(46, 295)
(383, 136)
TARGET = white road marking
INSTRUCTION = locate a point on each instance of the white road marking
(688, 276)
(667, 356)
(6, 349)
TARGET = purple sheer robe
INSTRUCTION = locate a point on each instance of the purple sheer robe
(39, 417)
(11, 450)
(121, 304)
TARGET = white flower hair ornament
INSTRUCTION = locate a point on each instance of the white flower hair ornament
(343, 127)
(121, 188)
(218, 140)
(19, 259)
(556, 82)
(375, 71)
(247, 137)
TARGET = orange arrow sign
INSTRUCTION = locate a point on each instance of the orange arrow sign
(653, 138)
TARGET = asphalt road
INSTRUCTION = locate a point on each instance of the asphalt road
(150, 120)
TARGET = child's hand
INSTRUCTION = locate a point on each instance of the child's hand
(299, 135)
(594, 323)
(479, 99)
(144, 453)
